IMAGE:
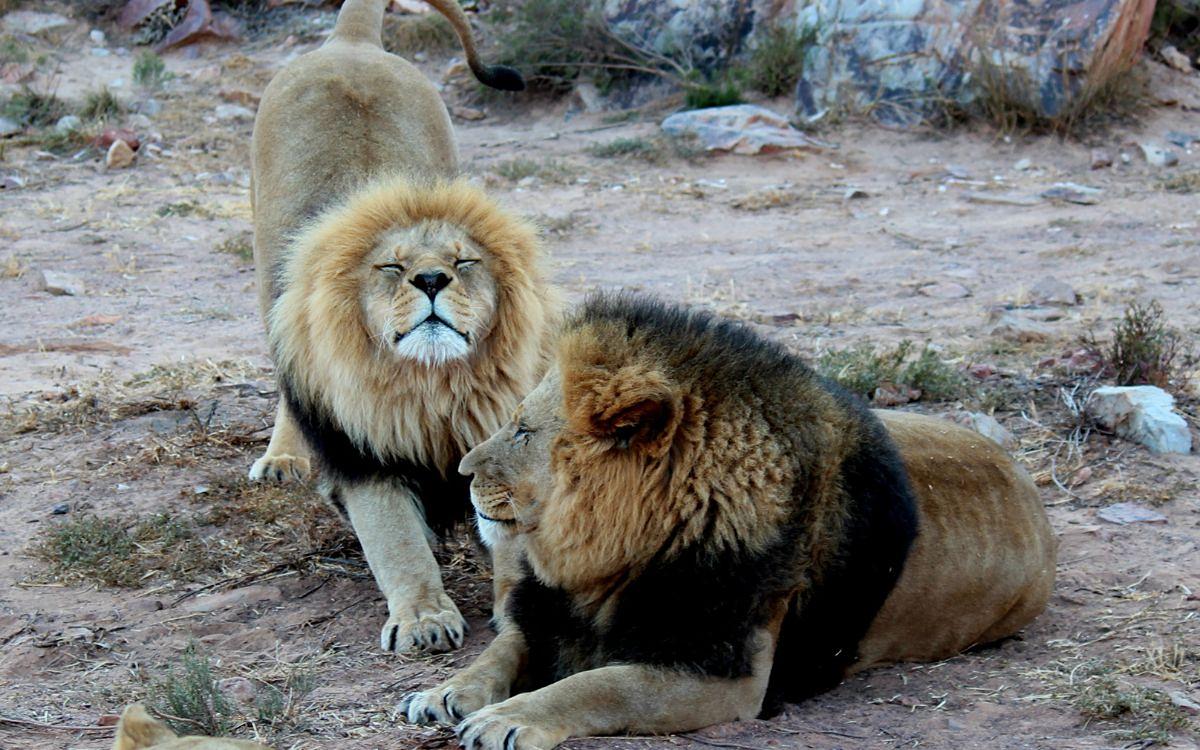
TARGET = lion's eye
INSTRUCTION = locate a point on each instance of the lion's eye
(393, 268)
(522, 434)
(464, 263)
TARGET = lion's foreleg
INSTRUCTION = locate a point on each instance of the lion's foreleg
(395, 539)
(507, 555)
(287, 454)
(488, 680)
(627, 698)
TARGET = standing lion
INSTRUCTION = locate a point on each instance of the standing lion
(406, 312)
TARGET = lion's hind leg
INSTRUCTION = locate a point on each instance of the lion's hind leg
(287, 456)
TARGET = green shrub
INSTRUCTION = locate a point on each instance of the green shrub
(862, 369)
(34, 108)
(189, 700)
(721, 92)
(1143, 348)
(149, 71)
(777, 59)
(101, 104)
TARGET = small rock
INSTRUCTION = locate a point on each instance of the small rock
(200, 489)
(9, 126)
(61, 283)
(1069, 192)
(233, 112)
(108, 720)
(1051, 291)
(1142, 413)
(1176, 59)
(238, 689)
(1012, 327)
(1000, 199)
(11, 182)
(1182, 700)
(853, 193)
(944, 290)
(1182, 140)
(60, 510)
(894, 395)
(1123, 513)
(1157, 156)
(988, 426)
(68, 124)
(120, 155)
(1101, 159)
(97, 36)
(32, 22)
(468, 113)
(1023, 165)
(982, 370)
(740, 129)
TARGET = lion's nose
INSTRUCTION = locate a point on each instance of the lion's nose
(431, 283)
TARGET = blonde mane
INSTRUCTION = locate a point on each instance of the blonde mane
(399, 409)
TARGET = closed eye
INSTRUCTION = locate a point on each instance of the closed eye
(464, 263)
(394, 268)
(522, 434)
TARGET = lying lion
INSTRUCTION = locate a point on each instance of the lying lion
(405, 310)
(712, 529)
(137, 730)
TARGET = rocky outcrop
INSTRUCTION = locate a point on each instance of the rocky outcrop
(903, 60)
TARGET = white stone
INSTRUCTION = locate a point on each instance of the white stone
(97, 36)
(119, 155)
(742, 129)
(8, 126)
(1051, 291)
(989, 427)
(1157, 156)
(1142, 413)
(68, 124)
(234, 112)
(61, 283)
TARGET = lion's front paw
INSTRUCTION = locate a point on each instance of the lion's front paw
(280, 468)
(434, 626)
(503, 727)
(446, 704)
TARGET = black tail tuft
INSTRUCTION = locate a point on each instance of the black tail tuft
(500, 77)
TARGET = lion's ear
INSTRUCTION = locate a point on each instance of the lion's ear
(635, 407)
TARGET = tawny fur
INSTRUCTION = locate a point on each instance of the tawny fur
(430, 415)
(629, 449)
(137, 730)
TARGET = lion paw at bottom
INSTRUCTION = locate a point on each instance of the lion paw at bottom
(434, 627)
(446, 704)
(503, 727)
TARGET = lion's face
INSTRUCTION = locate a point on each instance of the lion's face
(429, 294)
(512, 468)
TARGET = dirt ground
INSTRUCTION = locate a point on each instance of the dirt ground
(146, 398)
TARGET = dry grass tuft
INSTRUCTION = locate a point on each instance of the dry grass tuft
(1144, 348)
(1182, 182)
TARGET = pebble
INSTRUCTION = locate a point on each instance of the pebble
(61, 283)
(234, 112)
(119, 155)
(944, 290)
(1023, 165)
(1175, 58)
(1157, 156)
(68, 124)
(9, 126)
(1052, 291)
(468, 113)
(97, 36)
(1101, 159)
(239, 689)
(60, 509)
(1123, 513)
(1142, 413)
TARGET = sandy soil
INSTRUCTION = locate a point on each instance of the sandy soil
(151, 393)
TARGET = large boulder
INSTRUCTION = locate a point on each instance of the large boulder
(904, 60)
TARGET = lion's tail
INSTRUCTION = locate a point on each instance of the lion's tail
(362, 21)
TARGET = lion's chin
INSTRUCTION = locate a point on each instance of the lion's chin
(432, 343)
(491, 531)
